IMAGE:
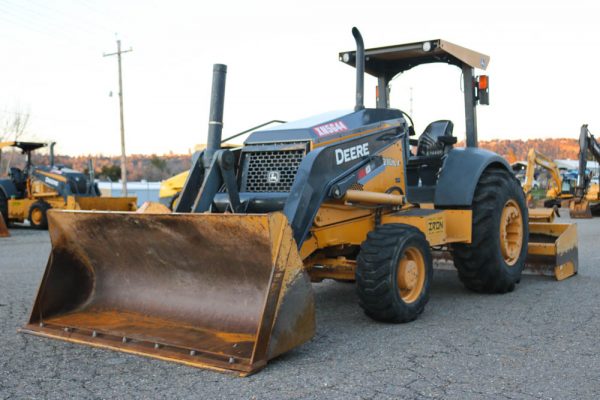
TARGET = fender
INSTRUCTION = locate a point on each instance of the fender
(460, 173)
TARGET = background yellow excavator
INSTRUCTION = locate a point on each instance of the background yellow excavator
(586, 201)
(224, 281)
(559, 190)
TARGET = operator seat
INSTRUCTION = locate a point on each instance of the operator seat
(18, 178)
(422, 169)
(437, 139)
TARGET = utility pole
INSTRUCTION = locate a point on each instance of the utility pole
(123, 154)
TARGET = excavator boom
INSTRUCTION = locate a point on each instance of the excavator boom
(581, 206)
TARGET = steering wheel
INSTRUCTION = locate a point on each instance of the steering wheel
(411, 127)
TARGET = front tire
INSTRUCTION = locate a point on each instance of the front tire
(494, 260)
(394, 273)
(38, 217)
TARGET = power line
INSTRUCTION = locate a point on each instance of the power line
(46, 27)
(60, 17)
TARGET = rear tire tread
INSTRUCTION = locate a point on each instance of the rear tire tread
(479, 267)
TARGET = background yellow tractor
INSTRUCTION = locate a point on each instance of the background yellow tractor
(170, 189)
(28, 193)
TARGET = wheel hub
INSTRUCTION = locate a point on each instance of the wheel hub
(36, 216)
(411, 275)
(511, 232)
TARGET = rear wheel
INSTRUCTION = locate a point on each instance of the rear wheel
(493, 262)
(38, 217)
(394, 273)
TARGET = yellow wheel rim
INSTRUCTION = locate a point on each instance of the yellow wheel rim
(410, 275)
(511, 232)
(37, 216)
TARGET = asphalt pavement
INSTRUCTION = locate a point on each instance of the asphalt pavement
(539, 342)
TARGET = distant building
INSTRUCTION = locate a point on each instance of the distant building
(561, 164)
(145, 191)
(574, 164)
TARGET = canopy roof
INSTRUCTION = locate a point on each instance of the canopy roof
(391, 60)
(25, 146)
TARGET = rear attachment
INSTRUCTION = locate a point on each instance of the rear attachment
(220, 291)
(552, 250)
(542, 214)
(580, 209)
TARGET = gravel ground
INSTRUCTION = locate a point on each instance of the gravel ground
(539, 342)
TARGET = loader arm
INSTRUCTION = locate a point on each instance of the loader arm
(55, 182)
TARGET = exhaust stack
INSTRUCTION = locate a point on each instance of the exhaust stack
(52, 144)
(360, 69)
(215, 121)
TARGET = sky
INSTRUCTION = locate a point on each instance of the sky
(282, 59)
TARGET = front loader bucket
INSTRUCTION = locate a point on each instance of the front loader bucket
(218, 291)
(580, 209)
(552, 250)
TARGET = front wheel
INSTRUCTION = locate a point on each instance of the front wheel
(38, 217)
(495, 258)
(394, 273)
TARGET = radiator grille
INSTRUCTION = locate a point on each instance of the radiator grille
(272, 171)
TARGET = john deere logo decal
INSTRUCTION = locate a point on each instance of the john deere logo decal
(273, 176)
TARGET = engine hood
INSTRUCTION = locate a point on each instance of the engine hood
(323, 127)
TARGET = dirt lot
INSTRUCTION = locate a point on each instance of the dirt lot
(539, 342)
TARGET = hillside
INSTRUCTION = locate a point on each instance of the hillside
(516, 150)
(139, 166)
(155, 168)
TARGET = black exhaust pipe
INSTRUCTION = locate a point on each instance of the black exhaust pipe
(215, 120)
(52, 153)
(360, 70)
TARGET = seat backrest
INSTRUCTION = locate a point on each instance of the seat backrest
(428, 143)
(18, 178)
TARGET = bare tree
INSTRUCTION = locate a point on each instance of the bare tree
(14, 125)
